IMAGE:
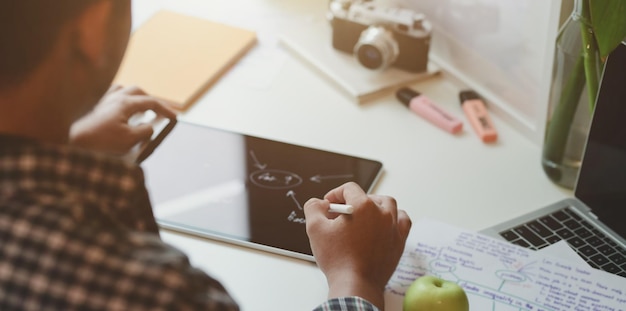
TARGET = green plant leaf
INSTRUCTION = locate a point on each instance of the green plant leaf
(609, 23)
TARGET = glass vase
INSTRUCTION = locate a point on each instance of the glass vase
(569, 108)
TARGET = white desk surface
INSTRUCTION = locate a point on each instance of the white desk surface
(432, 174)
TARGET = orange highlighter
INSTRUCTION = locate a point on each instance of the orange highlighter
(476, 112)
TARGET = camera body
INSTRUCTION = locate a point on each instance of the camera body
(380, 37)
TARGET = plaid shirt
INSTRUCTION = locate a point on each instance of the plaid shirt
(77, 233)
(346, 304)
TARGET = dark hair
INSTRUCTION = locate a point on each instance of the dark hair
(28, 30)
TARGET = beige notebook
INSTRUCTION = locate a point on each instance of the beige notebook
(177, 57)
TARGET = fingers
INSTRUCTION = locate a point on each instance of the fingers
(346, 193)
(319, 208)
(114, 88)
(132, 90)
(140, 103)
(404, 224)
(315, 211)
(400, 217)
(352, 193)
(141, 132)
(138, 100)
(161, 109)
(386, 203)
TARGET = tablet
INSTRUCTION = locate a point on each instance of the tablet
(244, 189)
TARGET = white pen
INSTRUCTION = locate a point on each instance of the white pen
(341, 208)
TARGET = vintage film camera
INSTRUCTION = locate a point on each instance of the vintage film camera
(380, 37)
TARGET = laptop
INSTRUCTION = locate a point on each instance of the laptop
(593, 222)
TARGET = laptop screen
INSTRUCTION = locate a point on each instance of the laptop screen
(602, 180)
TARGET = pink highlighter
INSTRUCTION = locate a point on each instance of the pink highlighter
(425, 108)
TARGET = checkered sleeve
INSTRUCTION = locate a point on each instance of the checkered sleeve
(96, 265)
(346, 304)
(77, 233)
(168, 276)
(151, 275)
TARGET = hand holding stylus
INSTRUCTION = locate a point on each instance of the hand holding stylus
(357, 252)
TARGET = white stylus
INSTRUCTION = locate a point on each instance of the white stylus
(341, 208)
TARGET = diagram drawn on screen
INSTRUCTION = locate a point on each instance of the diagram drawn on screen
(276, 179)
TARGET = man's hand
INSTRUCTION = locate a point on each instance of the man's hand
(106, 128)
(358, 253)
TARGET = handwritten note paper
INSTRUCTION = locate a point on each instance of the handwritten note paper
(500, 276)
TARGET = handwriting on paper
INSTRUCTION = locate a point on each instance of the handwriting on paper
(500, 276)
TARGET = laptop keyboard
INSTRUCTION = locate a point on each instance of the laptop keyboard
(599, 250)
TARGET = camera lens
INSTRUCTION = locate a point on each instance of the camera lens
(370, 56)
(376, 48)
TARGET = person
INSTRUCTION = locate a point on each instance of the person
(76, 224)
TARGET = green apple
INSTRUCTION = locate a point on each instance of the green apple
(430, 293)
